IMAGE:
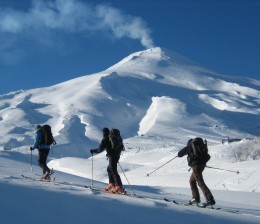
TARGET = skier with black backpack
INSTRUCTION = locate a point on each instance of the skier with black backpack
(43, 141)
(113, 144)
(198, 156)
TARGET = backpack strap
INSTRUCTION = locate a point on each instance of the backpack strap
(193, 148)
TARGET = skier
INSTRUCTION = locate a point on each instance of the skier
(115, 183)
(197, 165)
(43, 152)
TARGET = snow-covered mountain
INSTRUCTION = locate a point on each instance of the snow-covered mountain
(158, 99)
(154, 93)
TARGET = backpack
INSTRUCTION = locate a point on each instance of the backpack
(199, 151)
(47, 137)
(116, 140)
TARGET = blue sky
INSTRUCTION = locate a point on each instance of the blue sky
(47, 42)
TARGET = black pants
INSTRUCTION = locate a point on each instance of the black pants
(113, 175)
(197, 178)
(42, 160)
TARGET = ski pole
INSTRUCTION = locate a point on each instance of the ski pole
(148, 174)
(223, 169)
(92, 171)
(126, 179)
(31, 162)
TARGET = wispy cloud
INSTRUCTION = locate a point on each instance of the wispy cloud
(73, 16)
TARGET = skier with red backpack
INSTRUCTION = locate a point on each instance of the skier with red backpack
(113, 144)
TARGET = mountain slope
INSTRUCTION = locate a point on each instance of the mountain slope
(154, 92)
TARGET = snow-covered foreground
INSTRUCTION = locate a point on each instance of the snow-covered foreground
(24, 201)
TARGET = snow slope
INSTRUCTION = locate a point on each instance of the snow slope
(154, 92)
(158, 99)
(25, 201)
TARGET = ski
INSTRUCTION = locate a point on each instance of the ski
(219, 208)
(37, 179)
(173, 201)
(202, 206)
(107, 192)
(208, 207)
(115, 193)
(26, 177)
(125, 194)
(54, 181)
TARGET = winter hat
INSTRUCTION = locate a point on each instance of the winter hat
(105, 131)
(189, 141)
(37, 127)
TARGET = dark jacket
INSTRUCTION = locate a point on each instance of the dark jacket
(105, 144)
(37, 142)
(191, 160)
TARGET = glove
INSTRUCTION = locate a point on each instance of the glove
(179, 154)
(31, 148)
(92, 151)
